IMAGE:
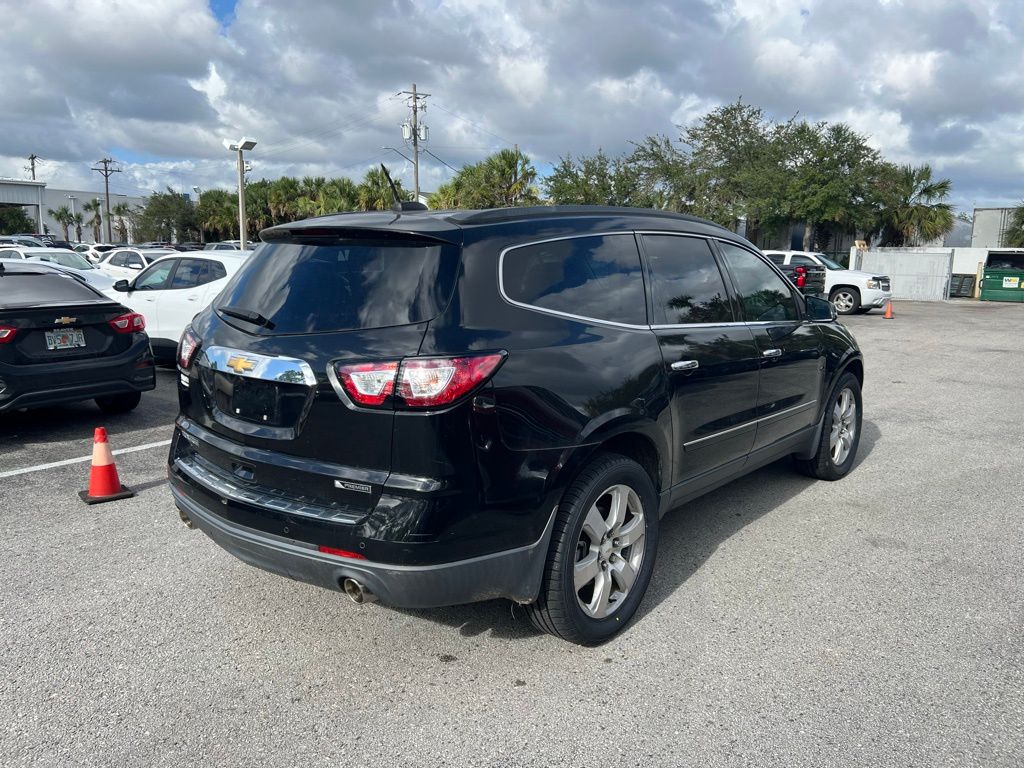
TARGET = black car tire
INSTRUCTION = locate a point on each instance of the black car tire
(557, 610)
(849, 303)
(114, 404)
(822, 466)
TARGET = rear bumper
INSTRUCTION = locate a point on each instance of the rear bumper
(514, 574)
(29, 386)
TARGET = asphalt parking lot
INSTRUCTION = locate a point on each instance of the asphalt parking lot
(876, 621)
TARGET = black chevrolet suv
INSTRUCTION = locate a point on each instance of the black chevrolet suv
(443, 407)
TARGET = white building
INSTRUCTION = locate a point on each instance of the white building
(36, 198)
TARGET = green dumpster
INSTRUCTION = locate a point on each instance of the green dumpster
(1003, 276)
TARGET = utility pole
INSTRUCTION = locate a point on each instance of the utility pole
(106, 170)
(416, 132)
(32, 164)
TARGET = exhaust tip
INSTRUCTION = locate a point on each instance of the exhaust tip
(357, 592)
(186, 519)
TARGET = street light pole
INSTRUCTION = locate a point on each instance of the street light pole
(202, 236)
(240, 146)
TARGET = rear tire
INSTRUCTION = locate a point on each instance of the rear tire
(602, 553)
(845, 300)
(114, 404)
(840, 433)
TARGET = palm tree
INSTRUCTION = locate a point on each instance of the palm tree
(78, 221)
(95, 208)
(1013, 237)
(511, 175)
(374, 192)
(121, 211)
(915, 209)
(63, 217)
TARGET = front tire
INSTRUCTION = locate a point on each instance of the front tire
(115, 404)
(840, 434)
(602, 553)
(845, 300)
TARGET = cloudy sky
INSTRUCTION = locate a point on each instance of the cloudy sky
(158, 84)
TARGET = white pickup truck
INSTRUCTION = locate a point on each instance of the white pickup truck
(849, 290)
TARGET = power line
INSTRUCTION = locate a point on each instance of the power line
(442, 162)
(106, 172)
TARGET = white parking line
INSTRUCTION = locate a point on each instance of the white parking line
(51, 465)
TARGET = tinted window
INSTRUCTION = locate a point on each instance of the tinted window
(309, 288)
(805, 261)
(134, 260)
(20, 289)
(10, 254)
(686, 284)
(597, 277)
(763, 294)
(217, 271)
(117, 259)
(154, 278)
(191, 273)
(776, 258)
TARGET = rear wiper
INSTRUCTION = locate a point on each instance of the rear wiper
(247, 315)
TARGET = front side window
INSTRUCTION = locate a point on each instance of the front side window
(686, 284)
(596, 277)
(155, 278)
(763, 294)
(118, 259)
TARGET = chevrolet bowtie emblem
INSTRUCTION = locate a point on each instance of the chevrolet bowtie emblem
(65, 320)
(240, 364)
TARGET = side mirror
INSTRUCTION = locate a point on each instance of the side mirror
(136, 267)
(122, 286)
(820, 310)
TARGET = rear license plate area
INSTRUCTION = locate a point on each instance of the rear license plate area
(254, 401)
(65, 338)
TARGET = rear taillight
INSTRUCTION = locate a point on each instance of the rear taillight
(133, 322)
(7, 333)
(801, 276)
(187, 347)
(340, 552)
(416, 382)
(368, 384)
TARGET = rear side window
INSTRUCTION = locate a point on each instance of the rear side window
(776, 258)
(802, 261)
(303, 288)
(686, 284)
(191, 273)
(595, 277)
(20, 289)
(216, 271)
(764, 295)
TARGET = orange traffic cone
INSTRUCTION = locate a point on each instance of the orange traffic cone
(104, 484)
(888, 309)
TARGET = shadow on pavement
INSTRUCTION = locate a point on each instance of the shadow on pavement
(689, 536)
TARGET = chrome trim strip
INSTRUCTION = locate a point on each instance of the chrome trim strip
(555, 312)
(265, 367)
(753, 423)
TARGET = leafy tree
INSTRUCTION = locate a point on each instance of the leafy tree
(595, 180)
(217, 213)
(14, 220)
(1013, 237)
(62, 216)
(914, 208)
(94, 208)
(167, 216)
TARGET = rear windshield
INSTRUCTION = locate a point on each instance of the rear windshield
(20, 289)
(303, 288)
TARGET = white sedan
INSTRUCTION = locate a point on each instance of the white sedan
(129, 262)
(174, 289)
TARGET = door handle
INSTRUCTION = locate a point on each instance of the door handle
(684, 365)
(772, 353)
(193, 298)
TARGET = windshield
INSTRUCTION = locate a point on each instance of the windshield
(349, 285)
(829, 264)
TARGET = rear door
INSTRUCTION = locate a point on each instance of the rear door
(711, 359)
(186, 294)
(791, 348)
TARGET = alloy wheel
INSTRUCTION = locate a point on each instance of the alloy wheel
(610, 551)
(844, 426)
(843, 302)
